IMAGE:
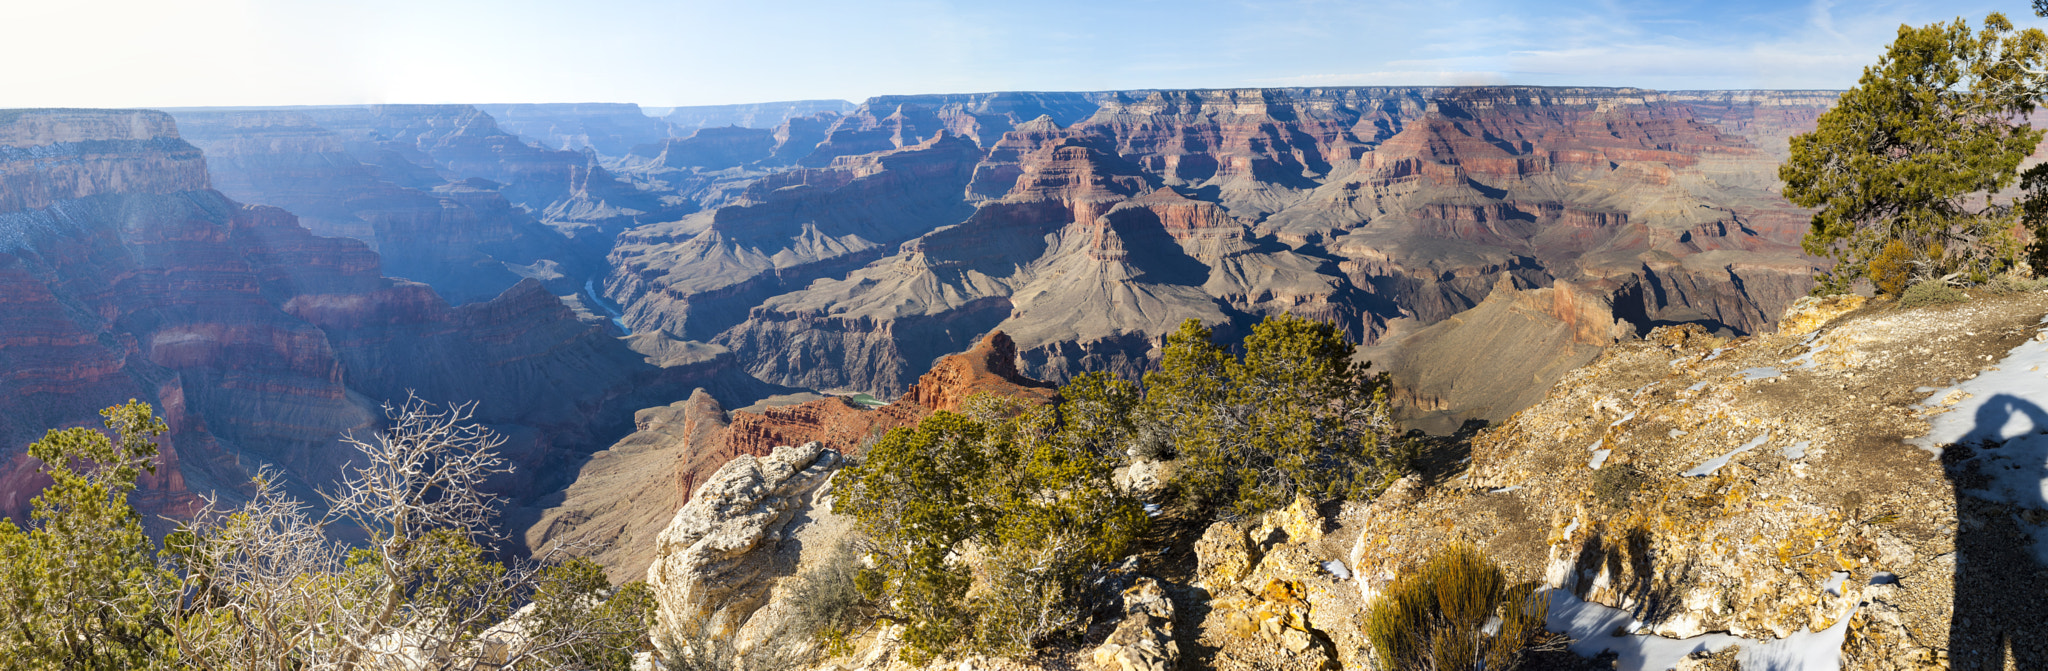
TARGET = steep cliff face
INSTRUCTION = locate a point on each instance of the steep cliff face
(462, 238)
(1382, 209)
(258, 341)
(712, 148)
(892, 122)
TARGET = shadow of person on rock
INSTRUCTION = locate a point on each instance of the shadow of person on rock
(1998, 470)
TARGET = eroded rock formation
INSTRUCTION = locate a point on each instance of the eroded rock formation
(626, 494)
(1099, 222)
(259, 342)
(461, 237)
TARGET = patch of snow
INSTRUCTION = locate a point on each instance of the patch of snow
(2006, 404)
(1834, 583)
(1923, 390)
(1597, 444)
(1796, 451)
(1805, 361)
(1569, 528)
(1716, 354)
(1675, 433)
(1599, 459)
(1151, 510)
(1631, 415)
(1716, 463)
(1758, 373)
(1702, 384)
(1596, 629)
(1337, 569)
(1504, 490)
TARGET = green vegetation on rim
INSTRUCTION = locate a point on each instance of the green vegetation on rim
(1912, 153)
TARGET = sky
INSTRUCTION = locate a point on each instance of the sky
(175, 53)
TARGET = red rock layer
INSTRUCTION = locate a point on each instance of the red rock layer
(990, 367)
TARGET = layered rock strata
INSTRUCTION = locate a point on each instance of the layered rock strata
(462, 238)
(259, 342)
(625, 494)
(1384, 210)
(683, 121)
(422, 146)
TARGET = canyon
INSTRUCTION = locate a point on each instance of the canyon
(260, 343)
(1088, 225)
(639, 298)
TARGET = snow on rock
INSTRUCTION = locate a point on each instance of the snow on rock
(2004, 402)
(1758, 373)
(1597, 629)
(1796, 451)
(1716, 463)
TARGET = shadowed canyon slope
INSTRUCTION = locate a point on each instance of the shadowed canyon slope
(1088, 225)
(128, 276)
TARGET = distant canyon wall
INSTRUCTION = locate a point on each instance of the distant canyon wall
(1087, 225)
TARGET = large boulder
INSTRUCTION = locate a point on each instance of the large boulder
(714, 564)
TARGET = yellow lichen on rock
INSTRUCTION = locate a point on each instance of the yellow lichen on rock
(1812, 312)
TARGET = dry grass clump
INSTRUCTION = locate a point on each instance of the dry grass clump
(2014, 282)
(1457, 612)
(1932, 292)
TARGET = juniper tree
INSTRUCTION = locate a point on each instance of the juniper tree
(1916, 150)
(80, 584)
(1294, 416)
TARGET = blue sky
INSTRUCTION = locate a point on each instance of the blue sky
(161, 53)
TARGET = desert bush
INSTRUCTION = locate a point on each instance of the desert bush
(1294, 416)
(1457, 612)
(829, 607)
(2016, 282)
(1892, 270)
(1931, 292)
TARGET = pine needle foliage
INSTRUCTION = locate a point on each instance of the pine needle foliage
(79, 584)
(1294, 416)
(1027, 491)
(1456, 613)
(1914, 151)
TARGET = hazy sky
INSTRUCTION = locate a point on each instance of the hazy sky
(163, 53)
